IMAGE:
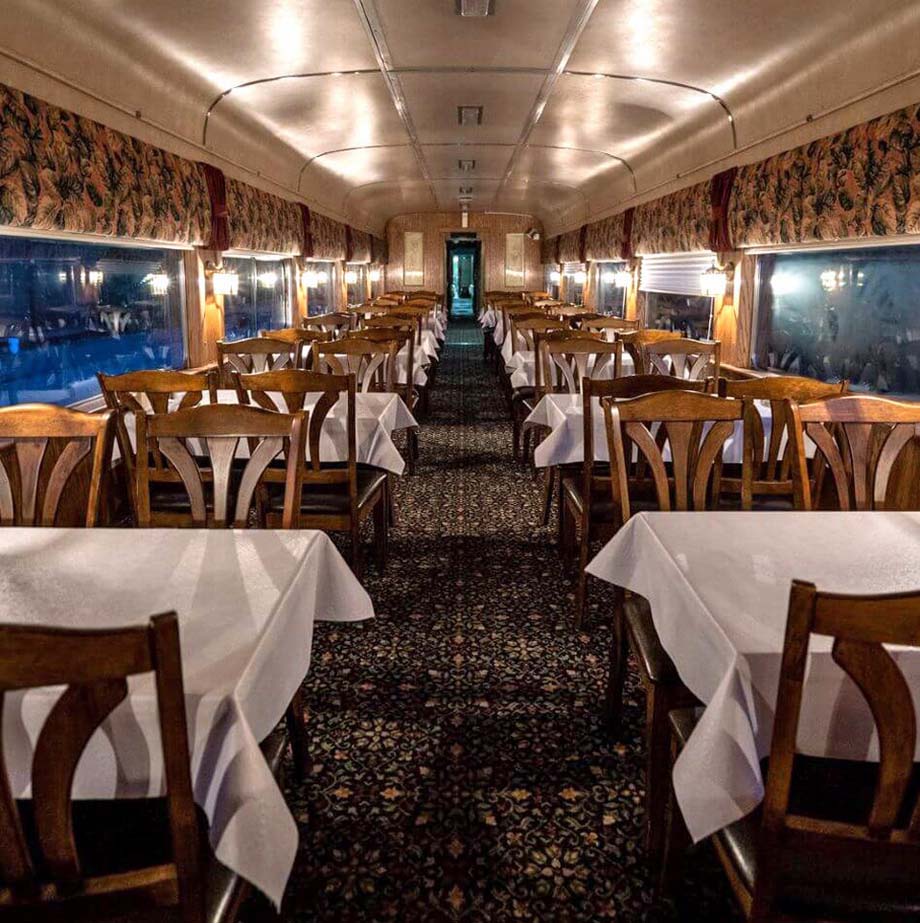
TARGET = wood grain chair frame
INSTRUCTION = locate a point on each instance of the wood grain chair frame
(335, 322)
(569, 362)
(254, 354)
(372, 364)
(634, 343)
(860, 440)
(771, 474)
(694, 427)
(94, 666)
(46, 449)
(219, 428)
(684, 358)
(807, 855)
(299, 337)
(609, 327)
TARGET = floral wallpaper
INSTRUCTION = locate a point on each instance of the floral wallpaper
(360, 249)
(676, 223)
(862, 182)
(570, 247)
(328, 238)
(262, 221)
(607, 239)
(548, 250)
(379, 251)
(62, 172)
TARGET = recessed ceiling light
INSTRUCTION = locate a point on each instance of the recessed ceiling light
(466, 190)
(475, 7)
(466, 166)
(469, 115)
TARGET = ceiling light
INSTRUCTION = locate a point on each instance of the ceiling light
(474, 7)
(469, 115)
(466, 166)
(466, 190)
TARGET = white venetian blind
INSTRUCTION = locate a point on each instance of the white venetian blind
(674, 273)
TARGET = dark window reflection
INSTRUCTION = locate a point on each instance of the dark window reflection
(320, 282)
(852, 314)
(263, 299)
(610, 299)
(690, 315)
(70, 310)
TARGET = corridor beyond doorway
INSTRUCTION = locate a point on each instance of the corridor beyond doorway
(463, 276)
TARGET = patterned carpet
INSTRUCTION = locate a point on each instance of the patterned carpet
(461, 771)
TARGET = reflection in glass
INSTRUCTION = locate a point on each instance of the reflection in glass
(70, 310)
(849, 314)
(611, 298)
(690, 315)
(320, 281)
(262, 300)
(355, 279)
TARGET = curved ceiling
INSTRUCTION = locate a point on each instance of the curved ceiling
(353, 104)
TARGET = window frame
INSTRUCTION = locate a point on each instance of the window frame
(597, 270)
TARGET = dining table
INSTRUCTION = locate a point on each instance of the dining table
(718, 585)
(246, 603)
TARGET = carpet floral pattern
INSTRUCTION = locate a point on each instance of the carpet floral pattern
(461, 771)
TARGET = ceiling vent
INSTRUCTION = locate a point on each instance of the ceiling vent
(475, 7)
(466, 166)
(466, 190)
(469, 115)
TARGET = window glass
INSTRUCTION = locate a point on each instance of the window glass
(849, 314)
(356, 282)
(690, 315)
(263, 299)
(375, 275)
(610, 298)
(551, 277)
(70, 310)
(574, 277)
(320, 285)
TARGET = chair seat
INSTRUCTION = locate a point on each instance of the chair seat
(653, 659)
(332, 499)
(884, 883)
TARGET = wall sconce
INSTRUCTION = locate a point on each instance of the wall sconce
(308, 278)
(268, 279)
(223, 281)
(322, 278)
(580, 277)
(159, 282)
(351, 277)
(555, 276)
(714, 281)
(374, 275)
(96, 277)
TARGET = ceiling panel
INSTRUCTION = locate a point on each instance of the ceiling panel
(522, 33)
(372, 165)
(448, 194)
(506, 100)
(443, 161)
(391, 198)
(570, 166)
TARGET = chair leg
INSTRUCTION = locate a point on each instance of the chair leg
(581, 592)
(676, 838)
(515, 432)
(616, 677)
(548, 484)
(381, 530)
(659, 703)
(356, 562)
(297, 732)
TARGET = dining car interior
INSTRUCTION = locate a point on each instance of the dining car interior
(459, 461)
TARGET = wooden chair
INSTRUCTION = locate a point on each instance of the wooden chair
(833, 839)
(334, 323)
(694, 427)
(862, 441)
(372, 364)
(254, 354)
(771, 475)
(218, 429)
(299, 337)
(44, 461)
(634, 343)
(567, 362)
(684, 358)
(585, 509)
(609, 327)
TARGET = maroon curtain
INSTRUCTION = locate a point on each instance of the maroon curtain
(349, 244)
(220, 224)
(720, 238)
(583, 244)
(626, 250)
(307, 231)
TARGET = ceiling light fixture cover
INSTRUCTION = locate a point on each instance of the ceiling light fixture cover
(475, 7)
(469, 115)
(466, 166)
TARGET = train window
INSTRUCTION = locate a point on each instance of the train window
(610, 283)
(69, 310)
(263, 298)
(551, 279)
(672, 283)
(846, 314)
(375, 277)
(691, 315)
(319, 280)
(574, 277)
(356, 282)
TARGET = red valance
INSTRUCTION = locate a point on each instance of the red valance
(217, 191)
(307, 221)
(720, 191)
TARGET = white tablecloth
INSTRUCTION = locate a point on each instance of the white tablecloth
(377, 417)
(521, 366)
(246, 603)
(718, 585)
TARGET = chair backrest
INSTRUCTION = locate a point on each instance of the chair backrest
(44, 450)
(218, 429)
(94, 667)
(255, 354)
(887, 835)
(334, 322)
(404, 338)
(635, 341)
(293, 387)
(299, 337)
(567, 362)
(859, 440)
(388, 320)
(372, 364)
(684, 358)
(771, 461)
(609, 327)
(522, 331)
(693, 427)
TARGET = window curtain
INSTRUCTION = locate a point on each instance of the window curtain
(261, 221)
(307, 222)
(571, 247)
(217, 192)
(379, 251)
(608, 239)
(329, 241)
(676, 223)
(720, 191)
(62, 172)
(862, 182)
(359, 246)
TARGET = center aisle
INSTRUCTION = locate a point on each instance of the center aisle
(460, 768)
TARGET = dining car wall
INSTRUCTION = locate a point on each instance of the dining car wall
(491, 229)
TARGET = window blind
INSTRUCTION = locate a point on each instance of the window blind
(674, 273)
